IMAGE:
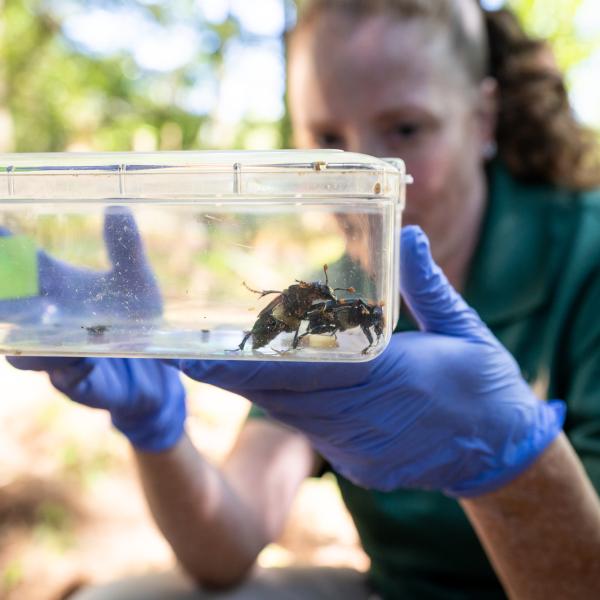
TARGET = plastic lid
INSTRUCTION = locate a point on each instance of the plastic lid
(199, 175)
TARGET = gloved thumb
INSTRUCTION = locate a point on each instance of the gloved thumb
(122, 238)
(435, 304)
(131, 269)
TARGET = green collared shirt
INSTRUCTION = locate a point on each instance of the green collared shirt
(535, 280)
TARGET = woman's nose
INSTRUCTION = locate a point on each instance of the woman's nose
(367, 142)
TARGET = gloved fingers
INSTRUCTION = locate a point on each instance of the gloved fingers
(248, 376)
(44, 363)
(238, 376)
(132, 389)
(46, 262)
(94, 382)
(73, 292)
(435, 304)
(122, 238)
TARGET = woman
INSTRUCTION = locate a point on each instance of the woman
(415, 79)
(516, 235)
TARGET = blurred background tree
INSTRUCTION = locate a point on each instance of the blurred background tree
(572, 26)
(181, 74)
(140, 75)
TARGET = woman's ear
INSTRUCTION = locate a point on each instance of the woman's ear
(488, 106)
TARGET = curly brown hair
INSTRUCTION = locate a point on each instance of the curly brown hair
(537, 135)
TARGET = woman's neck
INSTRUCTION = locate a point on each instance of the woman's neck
(454, 251)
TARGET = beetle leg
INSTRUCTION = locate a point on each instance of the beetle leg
(302, 335)
(369, 337)
(296, 338)
(243, 342)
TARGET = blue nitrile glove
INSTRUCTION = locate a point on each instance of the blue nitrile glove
(145, 398)
(127, 290)
(442, 409)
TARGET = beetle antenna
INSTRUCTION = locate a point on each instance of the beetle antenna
(260, 292)
(350, 290)
(325, 269)
(250, 289)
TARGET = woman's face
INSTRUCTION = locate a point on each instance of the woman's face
(391, 88)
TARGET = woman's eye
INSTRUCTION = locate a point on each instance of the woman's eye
(329, 140)
(405, 130)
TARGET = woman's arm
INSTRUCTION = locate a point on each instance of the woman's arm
(542, 530)
(218, 520)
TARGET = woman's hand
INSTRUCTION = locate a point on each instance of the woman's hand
(127, 290)
(445, 408)
(145, 398)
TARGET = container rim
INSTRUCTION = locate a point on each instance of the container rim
(156, 175)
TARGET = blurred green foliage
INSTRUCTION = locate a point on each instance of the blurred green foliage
(54, 526)
(556, 21)
(57, 95)
(11, 576)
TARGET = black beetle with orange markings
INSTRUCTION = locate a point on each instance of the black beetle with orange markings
(327, 318)
(286, 312)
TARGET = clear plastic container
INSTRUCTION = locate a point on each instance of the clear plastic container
(220, 255)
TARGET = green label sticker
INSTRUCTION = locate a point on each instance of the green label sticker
(18, 267)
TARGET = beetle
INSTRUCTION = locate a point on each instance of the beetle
(339, 315)
(286, 312)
